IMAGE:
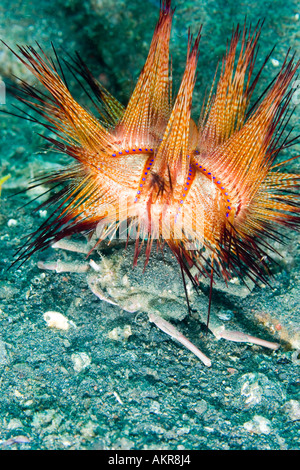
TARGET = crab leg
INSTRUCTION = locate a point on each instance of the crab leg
(69, 245)
(63, 267)
(98, 292)
(170, 330)
(240, 337)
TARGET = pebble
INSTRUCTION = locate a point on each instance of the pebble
(225, 315)
(12, 223)
(155, 407)
(57, 320)
(257, 387)
(118, 333)
(275, 62)
(296, 357)
(88, 431)
(251, 390)
(292, 408)
(14, 423)
(43, 214)
(80, 361)
(3, 354)
(49, 419)
(258, 425)
(124, 444)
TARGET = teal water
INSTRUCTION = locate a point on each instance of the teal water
(143, 391)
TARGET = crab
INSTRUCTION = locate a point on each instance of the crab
(109, 278)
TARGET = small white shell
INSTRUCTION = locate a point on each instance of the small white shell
(57, 320)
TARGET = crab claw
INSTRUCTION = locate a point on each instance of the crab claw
(170, 330)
